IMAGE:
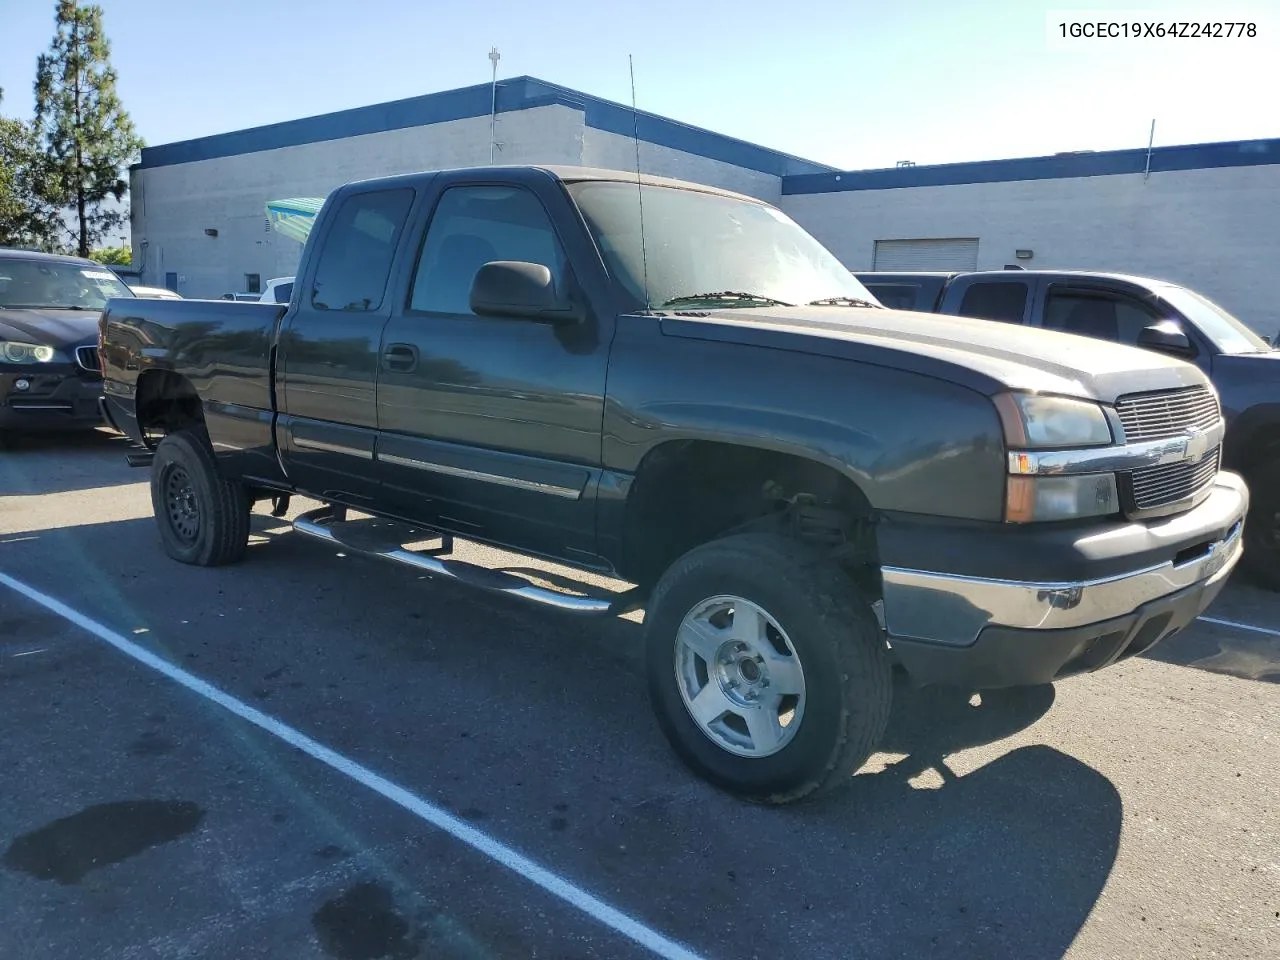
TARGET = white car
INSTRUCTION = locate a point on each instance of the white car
(278, 290)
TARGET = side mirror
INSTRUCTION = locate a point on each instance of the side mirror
(513, 288)
(1167, 337)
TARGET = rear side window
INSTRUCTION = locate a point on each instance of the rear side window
(284, 292)
(355, 261)
(996, 300)
(896, 296)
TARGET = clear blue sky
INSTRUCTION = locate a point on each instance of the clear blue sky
(849, 83)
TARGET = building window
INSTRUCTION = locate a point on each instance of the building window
(253, 283)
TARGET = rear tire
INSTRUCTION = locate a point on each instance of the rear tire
(734, 629)
(1261, 558)
(202, 516)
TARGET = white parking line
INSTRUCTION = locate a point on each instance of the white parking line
(517, 862)
(1241, 626)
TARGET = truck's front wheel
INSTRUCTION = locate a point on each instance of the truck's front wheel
(203, 517)
(1262, 526)
(767, 670)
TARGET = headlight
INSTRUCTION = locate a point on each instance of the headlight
(12, 352)
(1034, 422)
(1036, 499)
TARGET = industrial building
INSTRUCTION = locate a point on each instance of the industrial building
(1205, 215)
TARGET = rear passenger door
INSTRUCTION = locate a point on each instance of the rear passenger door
(329, 348)
(1007, 299)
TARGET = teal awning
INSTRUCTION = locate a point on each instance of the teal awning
(294, 217)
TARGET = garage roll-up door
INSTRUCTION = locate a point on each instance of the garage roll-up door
(906, 256)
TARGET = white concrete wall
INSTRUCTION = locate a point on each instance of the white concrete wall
(1216, 231)
(611, 151)
(172, 205)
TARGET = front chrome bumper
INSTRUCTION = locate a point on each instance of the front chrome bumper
(954, 610)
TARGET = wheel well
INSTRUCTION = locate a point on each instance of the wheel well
(165, 401)
(688, 492)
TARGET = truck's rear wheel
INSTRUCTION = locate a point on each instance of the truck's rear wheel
(203, 517)
(767, 669)
(1262, 526)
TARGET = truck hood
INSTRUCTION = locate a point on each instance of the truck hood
(984, 355)
(53, 328)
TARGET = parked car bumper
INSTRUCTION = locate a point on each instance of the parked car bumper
(48, 398)
(986, 632)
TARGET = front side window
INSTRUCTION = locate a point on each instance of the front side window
(54, 284)
(473, 226)
(996, 300)
(355, 261)
(698, 243)
(1098, 315)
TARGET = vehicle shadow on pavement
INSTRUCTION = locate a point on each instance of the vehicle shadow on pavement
(1004, 857)
(64, 462)
(1228, 650)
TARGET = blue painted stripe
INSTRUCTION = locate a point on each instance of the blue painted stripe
(520, 93)
(1200, 156)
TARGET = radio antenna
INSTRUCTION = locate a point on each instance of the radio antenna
(635, 133)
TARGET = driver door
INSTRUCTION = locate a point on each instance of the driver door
(490, 426)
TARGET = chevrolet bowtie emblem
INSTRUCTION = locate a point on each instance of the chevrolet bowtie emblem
(1197, 444)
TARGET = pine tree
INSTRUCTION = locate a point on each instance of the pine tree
(88, 137)
(25, 219)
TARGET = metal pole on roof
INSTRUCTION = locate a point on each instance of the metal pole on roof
(494, 57)
(1150, 140)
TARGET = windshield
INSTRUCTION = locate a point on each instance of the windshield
(1226, 333)
(58, 284)
(700, 245)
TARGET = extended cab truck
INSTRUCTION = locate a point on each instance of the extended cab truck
(1154, 314)
(801, 484)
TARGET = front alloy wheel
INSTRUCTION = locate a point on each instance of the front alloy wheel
(740, 676)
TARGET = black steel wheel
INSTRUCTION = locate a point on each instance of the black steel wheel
(203, 517)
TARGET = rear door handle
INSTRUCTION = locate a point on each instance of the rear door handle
(401, 357)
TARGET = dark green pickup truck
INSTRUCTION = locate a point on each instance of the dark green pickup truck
(678, 386)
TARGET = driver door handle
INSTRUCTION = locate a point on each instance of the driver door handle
(400, 357)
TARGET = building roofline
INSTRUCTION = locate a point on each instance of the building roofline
(517, 93)
(1196, 156)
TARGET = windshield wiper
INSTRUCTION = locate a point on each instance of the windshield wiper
(844, 302)
(49, 306)
(732, 296)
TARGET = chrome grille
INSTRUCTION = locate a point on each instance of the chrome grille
(1160, 486)
(1168, 413)
(87, 358)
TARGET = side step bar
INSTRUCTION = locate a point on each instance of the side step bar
(317, 523)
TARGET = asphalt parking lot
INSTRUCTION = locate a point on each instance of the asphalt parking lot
(473, 778)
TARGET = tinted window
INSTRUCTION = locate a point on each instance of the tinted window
(998, 300)
(473, 226)
(284, 292)
(896, 296)
(1097, 315)
(356, 258)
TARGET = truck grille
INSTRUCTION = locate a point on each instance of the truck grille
(1168, 413)
(1153, 487)
(87, 359)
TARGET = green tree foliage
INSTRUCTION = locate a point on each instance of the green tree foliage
(25, 219)
(88, 137)
(112, 256)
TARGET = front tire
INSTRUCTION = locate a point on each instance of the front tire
(203, 517)
(1261, 557)
(767, 669)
